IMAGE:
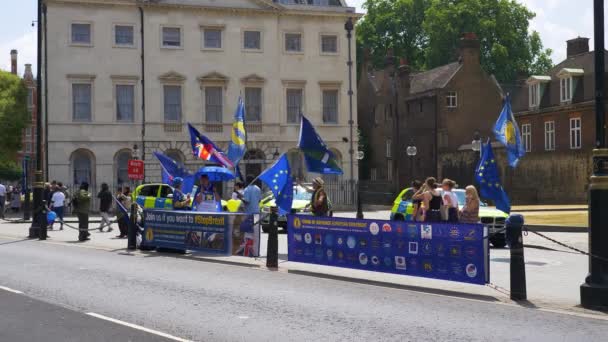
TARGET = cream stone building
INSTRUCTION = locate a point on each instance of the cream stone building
(125, 76)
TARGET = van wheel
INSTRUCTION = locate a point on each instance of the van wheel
(398, 218)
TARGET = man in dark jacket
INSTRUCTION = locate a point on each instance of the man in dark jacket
(82, 204)
(105, 203)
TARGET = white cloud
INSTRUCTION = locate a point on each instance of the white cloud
(26, 46)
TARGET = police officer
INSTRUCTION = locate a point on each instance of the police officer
(180, 201)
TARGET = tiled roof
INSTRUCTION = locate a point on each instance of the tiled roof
(433, 79)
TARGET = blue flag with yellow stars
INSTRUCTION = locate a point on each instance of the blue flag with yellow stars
(488, 178)
(278, 179)
(319, 159)
(507, 132)
(238, 137)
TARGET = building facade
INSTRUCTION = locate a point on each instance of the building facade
(436, 113)
(28, 140)
(127, 75)
(556, 115)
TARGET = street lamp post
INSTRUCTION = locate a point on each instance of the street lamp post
(349, 26)
(38, 228)
(360, 156)
(594, 292)
(411, 151)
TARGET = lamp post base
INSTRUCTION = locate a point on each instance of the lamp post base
(38, 227)
(594, 296)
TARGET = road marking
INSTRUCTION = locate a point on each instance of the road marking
(137, 327)
(10, 290)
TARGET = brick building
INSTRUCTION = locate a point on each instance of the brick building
(28, 148)
(438, 111)
(556, 115)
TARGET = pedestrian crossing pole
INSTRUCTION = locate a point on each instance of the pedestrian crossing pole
(594, 292)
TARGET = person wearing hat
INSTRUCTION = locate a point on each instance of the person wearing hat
(180, 201)
(82, 205)
(319, 203)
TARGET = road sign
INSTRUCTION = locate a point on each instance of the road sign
(136, 169)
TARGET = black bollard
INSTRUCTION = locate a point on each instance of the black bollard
(132, 229)
(515, 224)
(272, 250)
(27, 205)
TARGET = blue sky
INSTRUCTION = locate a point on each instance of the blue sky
(556, 20)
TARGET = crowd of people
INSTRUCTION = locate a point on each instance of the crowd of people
(437, 202)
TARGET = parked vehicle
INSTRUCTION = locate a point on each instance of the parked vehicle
(157, 196)
(493, 219)
(301, 205)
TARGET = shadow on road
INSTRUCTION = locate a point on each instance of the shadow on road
(16, 241)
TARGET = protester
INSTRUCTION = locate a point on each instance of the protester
(82, 204)
(180, 201)
(47, 193)
(431, 199)
(2, 199)
(252, 195)
(450, 201)
(235, 203)
(470, 212)
(237, 193)
(124, 198)
(15, 200)
(58, 205)
(416, 203)
(207, 198)
(105, 204)
(319, 202)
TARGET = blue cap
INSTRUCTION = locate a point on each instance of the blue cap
(178, 181)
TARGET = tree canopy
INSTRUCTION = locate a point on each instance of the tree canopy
(14, 117)
(427, 32)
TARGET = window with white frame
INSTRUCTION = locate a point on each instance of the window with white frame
(294, 100)
(30, 98)
(253, 104)
(125, 102)
(534, 95)
(81, 101)
(575, 133)
(330, 106)
(252, 40)
(389, 149)
(213, 104)
(293, 42)
(565, 89)
(28, 131)
(81, 33)
(172, 96)
(389, 170)
(549, 135)
(172, 37)
(28, 147)
(212, 38)
(124, 35)
(451, 99)
(526, 135)
(329, 44)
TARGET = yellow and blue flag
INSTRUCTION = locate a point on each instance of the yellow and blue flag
(278, 179)
(319, 159)
(507, 132)
(238, 138)
(488, 178)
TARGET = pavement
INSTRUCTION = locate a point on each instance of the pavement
(208, 299)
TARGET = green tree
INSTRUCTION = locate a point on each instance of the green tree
(394, 24)
(14, 115)
(502, 26)
(427, 33)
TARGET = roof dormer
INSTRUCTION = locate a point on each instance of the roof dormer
(536, 89)
(567, 83)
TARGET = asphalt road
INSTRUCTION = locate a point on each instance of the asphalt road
(206, 301)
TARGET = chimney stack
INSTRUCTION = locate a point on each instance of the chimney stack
(28, 75)
(14, 62)
(577, 46)
(469, 49)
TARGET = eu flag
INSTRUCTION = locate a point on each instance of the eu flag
(172, 169)
(507, 132)
(319, 158)
(236, 149)
(123, 211)
(278, 179)
(203, 148)
(489, 180)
